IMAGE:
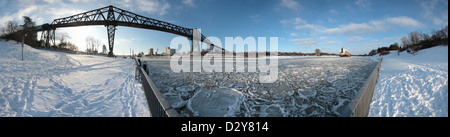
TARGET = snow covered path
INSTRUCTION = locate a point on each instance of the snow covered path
(412, 86)
(50, 83)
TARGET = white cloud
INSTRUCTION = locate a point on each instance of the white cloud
(309, 26)
(294, 35)
(322, 38)
(19, 14)
(331, 20)
(122, 41)
(332, 42)
(301, 24)
(352, 28)
(402, 21)
(392, 38)
(295, 21)
(63, 1)
(62, 12)
(189, 2)
(308, 46)
(284, 22)
(431, 11)
(305, 41)
(363, 4)
(155, 7)
(255, 18)
(332, 11)
(355, 39)
(79, 1)
(298, 21)
(374, 26)
(52, 1)
(290, 4)
(309, 41)
(370, 27)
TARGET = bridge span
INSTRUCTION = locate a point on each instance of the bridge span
(111, 17)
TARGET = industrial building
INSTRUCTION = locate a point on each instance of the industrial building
(170, 52)
(150, 52)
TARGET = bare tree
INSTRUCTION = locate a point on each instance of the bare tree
(394, 46)
(10, 27)
(440, 34)
(405, 41)
(446, 31)
(414, 37)
(373, 52)
(62, 43)
(425, 36)
(72, 47)
(317, 52)
(92, 45)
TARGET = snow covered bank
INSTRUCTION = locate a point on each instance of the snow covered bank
(412, 85)
(50, 83)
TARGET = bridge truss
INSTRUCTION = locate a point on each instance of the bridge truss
(111, 17)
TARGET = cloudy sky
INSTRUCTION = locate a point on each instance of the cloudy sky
(300, 25)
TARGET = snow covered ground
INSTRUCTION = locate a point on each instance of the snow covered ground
(412, 85)
(306, 86)
(51, 83)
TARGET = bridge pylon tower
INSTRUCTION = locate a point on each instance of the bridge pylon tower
(111, 30)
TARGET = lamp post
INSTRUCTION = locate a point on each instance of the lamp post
(23, 38)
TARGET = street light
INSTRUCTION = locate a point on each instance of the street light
(23, 38)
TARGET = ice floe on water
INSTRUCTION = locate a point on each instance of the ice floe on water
(218, 102)
(306, 86)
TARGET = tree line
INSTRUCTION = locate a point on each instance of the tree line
(416, 41)
(13, 31)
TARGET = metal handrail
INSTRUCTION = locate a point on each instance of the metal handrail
(157, 103)
(360, 104)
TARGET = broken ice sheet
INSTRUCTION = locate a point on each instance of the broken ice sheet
(306, 86)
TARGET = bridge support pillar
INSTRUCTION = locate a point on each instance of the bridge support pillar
(211, 48)
(195, 47)
(48, 37)
(111, 28)
(195, 42)
(111, 32)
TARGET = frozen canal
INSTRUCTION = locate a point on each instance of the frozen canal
(306, 86)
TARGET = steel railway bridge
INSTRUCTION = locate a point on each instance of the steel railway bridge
(111, 17)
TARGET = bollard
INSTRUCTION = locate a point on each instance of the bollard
(145, 67)
(140, 63)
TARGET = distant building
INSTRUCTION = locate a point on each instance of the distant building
(150, 52)
(170, 52)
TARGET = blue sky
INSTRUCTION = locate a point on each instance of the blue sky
(300, 25)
